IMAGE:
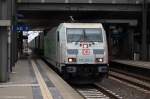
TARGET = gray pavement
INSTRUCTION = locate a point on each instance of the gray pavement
(23, 83)
(20, 84)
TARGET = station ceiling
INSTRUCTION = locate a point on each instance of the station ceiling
(44, 19)
(49, 13)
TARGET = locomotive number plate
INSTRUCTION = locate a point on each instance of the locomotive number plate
(87, 60)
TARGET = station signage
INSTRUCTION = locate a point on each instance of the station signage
(21, 28)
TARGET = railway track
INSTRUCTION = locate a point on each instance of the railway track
(96, 92)
(138, 76)
(133, 79)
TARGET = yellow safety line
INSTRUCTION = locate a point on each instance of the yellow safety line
(44, 89)
(19, 85)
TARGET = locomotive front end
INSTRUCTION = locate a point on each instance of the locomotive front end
(86, 52)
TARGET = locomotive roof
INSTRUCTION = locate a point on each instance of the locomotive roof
(82, 25)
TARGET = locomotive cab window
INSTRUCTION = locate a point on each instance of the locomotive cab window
(58, 36)
(93, 35)
(74, 35)
(88, 35)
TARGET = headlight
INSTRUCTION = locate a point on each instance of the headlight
(99, 59)
(85, 46)
(71, 60)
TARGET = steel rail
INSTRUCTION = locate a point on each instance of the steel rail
(138, 76)
(130, 79)
(96, 91)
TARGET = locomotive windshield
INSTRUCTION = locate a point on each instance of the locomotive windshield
(87, 35)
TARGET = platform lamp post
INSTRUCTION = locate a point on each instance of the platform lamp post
(144, 46)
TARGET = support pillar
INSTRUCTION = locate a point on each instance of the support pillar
(14, 34)
(144, 51)
(131, 43)
(3, 54)
(5, 38)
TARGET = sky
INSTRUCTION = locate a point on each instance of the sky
(31, 35)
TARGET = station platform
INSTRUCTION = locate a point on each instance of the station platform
(33, 79)
(139, 64)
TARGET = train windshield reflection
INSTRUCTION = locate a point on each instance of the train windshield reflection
(87, 35)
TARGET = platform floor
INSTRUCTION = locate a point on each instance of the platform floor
(33, 79)
(140, 64)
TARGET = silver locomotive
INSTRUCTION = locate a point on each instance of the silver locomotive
(78, 49)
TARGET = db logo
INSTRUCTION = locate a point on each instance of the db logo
(86, 51)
